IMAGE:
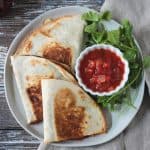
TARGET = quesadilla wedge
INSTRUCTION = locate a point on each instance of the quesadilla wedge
(68, 112)
(60, 40)
(28, 71)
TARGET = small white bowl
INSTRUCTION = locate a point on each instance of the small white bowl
(105, 47)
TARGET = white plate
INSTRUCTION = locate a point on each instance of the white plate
(119, 120)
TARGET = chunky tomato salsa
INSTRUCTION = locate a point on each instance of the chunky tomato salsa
(101, 70)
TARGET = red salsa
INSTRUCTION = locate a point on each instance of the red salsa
(101, 70)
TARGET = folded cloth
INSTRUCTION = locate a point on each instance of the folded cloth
(137, 11)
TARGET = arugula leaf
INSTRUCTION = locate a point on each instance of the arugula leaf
(126, 33)
(96, 17)
(113, 37)
(106, 15)
(130, 55)
(146, 61)
(101, 27)
(91, 28)
(111, 103)
(134, 65)
(124, 47)
(99, 37)
(91, 16)
(127, 27)
(132, 75)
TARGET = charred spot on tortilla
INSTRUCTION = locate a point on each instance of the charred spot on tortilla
(35, 95)
(28, 45)
(81, 94)
(69, 118)
(59, 54)
(35, 62)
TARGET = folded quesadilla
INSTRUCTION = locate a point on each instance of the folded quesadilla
(59, 39)
(28, 71)
(68, 112)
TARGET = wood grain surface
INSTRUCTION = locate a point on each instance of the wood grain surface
(12, 136)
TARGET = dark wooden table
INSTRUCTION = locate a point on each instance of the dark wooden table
(12, 136)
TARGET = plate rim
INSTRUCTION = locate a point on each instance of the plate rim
(18, 38)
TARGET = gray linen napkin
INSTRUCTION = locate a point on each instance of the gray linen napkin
(138, 12)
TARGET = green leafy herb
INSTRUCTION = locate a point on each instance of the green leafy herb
(130, 55)
(91, 16)
(99, 37)
(91, 28)
(117, 98)
(146, 61)
(113, 37)
(105, 15)
(123, 39)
